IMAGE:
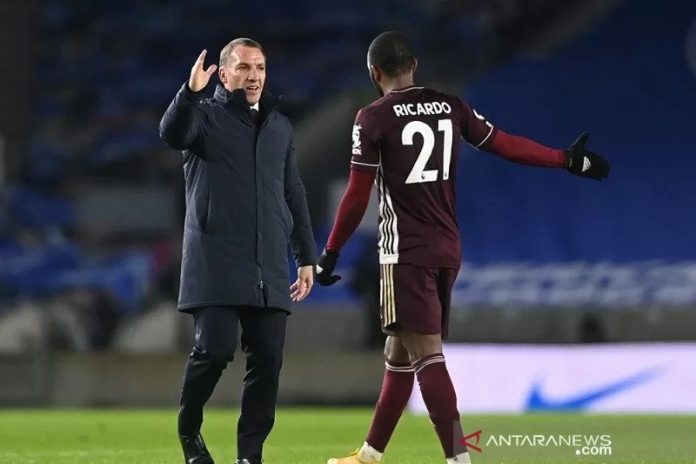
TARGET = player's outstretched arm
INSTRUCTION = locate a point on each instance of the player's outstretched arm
(350, 213)
(576, 159)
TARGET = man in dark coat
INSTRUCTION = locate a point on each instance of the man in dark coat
(245, 202)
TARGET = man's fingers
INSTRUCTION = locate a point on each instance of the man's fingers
(304, 291)
(296, 288)
(211, 69)
(296, 295)
(198, 65)
(302, 288)
(201, 57)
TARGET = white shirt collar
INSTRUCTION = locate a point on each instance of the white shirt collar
(255, 106)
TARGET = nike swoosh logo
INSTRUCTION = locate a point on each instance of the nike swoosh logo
(538, 401)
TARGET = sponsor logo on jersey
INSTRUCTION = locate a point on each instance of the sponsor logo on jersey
(418, 109)
(356, 139)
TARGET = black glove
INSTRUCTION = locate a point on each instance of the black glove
(325, 267)
(584, 163)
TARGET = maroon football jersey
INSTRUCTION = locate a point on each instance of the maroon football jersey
(411, 138)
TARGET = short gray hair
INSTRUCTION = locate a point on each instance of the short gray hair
(243, 41)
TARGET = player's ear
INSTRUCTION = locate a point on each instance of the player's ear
(414, 65)
(375, 73)
(222, 75)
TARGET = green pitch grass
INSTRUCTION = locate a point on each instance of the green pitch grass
(310, 436)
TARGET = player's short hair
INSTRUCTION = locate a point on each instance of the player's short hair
(391, 53)
(241, 41)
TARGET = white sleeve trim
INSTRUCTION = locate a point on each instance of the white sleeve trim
(365, 164)
(484, 140)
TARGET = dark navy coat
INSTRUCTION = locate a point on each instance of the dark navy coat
(245, 201)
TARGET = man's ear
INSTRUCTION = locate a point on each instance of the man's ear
(375, 73)
(414, 65)
(222, 75)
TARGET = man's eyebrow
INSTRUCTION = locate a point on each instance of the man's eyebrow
(246, 63)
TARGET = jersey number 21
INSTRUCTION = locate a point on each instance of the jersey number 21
(419, 174)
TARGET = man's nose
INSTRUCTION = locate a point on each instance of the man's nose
(253, 76)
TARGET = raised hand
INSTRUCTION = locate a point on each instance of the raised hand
(199, 76)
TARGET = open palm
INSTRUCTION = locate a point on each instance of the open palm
(200, 77)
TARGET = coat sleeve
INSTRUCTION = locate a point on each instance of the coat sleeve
(304, 248)
(182, 123)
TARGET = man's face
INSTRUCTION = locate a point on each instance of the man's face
(245, 69)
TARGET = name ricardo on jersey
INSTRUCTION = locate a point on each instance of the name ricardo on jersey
(418, 109)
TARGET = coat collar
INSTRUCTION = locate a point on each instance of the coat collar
(237, 100)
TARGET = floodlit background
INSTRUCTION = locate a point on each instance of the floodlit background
(91, 201)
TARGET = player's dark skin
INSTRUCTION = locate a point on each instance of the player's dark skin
(405, 347)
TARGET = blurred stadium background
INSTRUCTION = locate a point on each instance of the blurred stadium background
(565, 283)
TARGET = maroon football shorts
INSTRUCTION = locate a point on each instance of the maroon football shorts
(415, 298)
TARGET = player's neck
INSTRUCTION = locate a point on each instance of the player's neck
(397, 83)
